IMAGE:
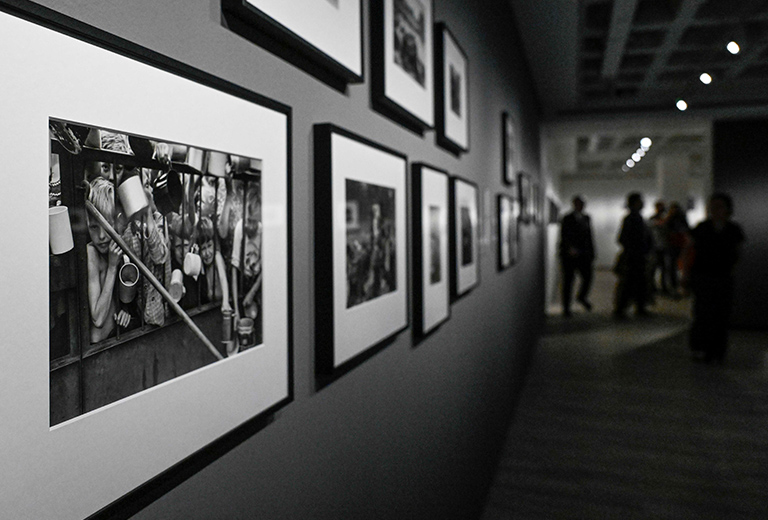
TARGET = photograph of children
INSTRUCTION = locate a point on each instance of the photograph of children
(371, 246)
(434, 245)
(466, 236)
(455, 90)
(409, 27)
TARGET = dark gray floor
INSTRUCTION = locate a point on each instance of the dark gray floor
(616, 422)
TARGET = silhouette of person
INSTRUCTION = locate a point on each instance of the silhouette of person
(635, 239)
(577, 252)
(709, 260)
(657, 222)
(677, 236)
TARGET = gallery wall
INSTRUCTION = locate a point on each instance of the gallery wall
(740, 170)
(413, 432)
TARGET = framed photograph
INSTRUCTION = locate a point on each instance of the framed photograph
(465, 236)
(361, 273)
(525, 196)
(451, 92)
(430, 246)
(554, 211)
(509, 148)
(538, 206)
(162, 267)
(328, 32)
(402, 66)
(508, 220)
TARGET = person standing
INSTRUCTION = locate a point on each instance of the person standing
(657, 222)
(635, 238)
(577, 253)
(709, 260)
(677, 236)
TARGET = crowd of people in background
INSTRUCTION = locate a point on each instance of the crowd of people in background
(662, 256)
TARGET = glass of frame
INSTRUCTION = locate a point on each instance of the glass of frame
(524, 187)
(508, 218)
(328, 32)
(465, 239)
(361, 246)
(402, 61)
(509, 148)
(135, 376)
(451, 92)
(430, 246)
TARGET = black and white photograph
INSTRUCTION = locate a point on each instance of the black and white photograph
(371, 243)
(431, 286)
(409, 34)
(156, 231)
(509, 149)
(435, 244)
(525, 196)
(361, 248)
(465, 236)
(326, 32)
(507, 225)
(402, 62)
(451, 92)
(154, 300)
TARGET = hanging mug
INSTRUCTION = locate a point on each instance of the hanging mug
(59, 230)
(217, 164)
(167, 192)
(176, 288)
(193, 265)
(129, 278)
(132, 195)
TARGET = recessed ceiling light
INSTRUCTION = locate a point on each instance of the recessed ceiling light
(681, 105)
(733, 47)
(646, 143)
(630, 163)
(636, 157)
(640, 152)
(705, 78)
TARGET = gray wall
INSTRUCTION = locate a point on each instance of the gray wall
(414, 431)
(740, 169)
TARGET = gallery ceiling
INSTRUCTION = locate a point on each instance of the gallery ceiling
(614, 59)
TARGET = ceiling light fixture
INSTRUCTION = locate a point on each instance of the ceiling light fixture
(640, 152)
(705, 78)
(733, 47)
(625, 168)
(646, 143)
(681, 105)
(630, 163)
(636, 157)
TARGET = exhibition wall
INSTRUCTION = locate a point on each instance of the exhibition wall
(414, 431)
(739, 170)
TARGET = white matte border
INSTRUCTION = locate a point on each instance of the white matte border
(333, 27)
(78, 467)
(435, 297)
(364, 325)
(465, 195)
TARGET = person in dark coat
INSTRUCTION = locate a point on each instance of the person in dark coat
(577, 253)
(709, 261)
(636, 241)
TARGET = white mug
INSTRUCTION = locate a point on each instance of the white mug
(192, 265)
(217, 164)
(59, 230)
(176, 288)
(132, 195)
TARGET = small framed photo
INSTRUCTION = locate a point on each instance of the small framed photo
(326, 32)
(525, 196)
(430, 247)
(402, 61)
(151, 299)
(508, 220)
(451, 92)
(509, 148)
(538, 207)
(361, 254)
(465, 239)
(554, 211)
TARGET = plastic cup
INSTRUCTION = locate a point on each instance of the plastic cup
(59, 230)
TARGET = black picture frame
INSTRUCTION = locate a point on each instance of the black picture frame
(508, 220)
(315, 53)
(465, 236)
(353, 322)
(161, 457)
(431, 247)
(452, 100)
(402, 85)
(524, 187)
(554, 211)
(509, 149)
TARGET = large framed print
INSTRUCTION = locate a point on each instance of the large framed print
(510, 154)
(451, 92)
(162, 339)
(402, 61)
(361, 248)
(430, 246)
(328, 32)
(508, 211)
(465, 236)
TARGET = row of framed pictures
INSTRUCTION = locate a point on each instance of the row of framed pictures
(361, 245)
(420, 73)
